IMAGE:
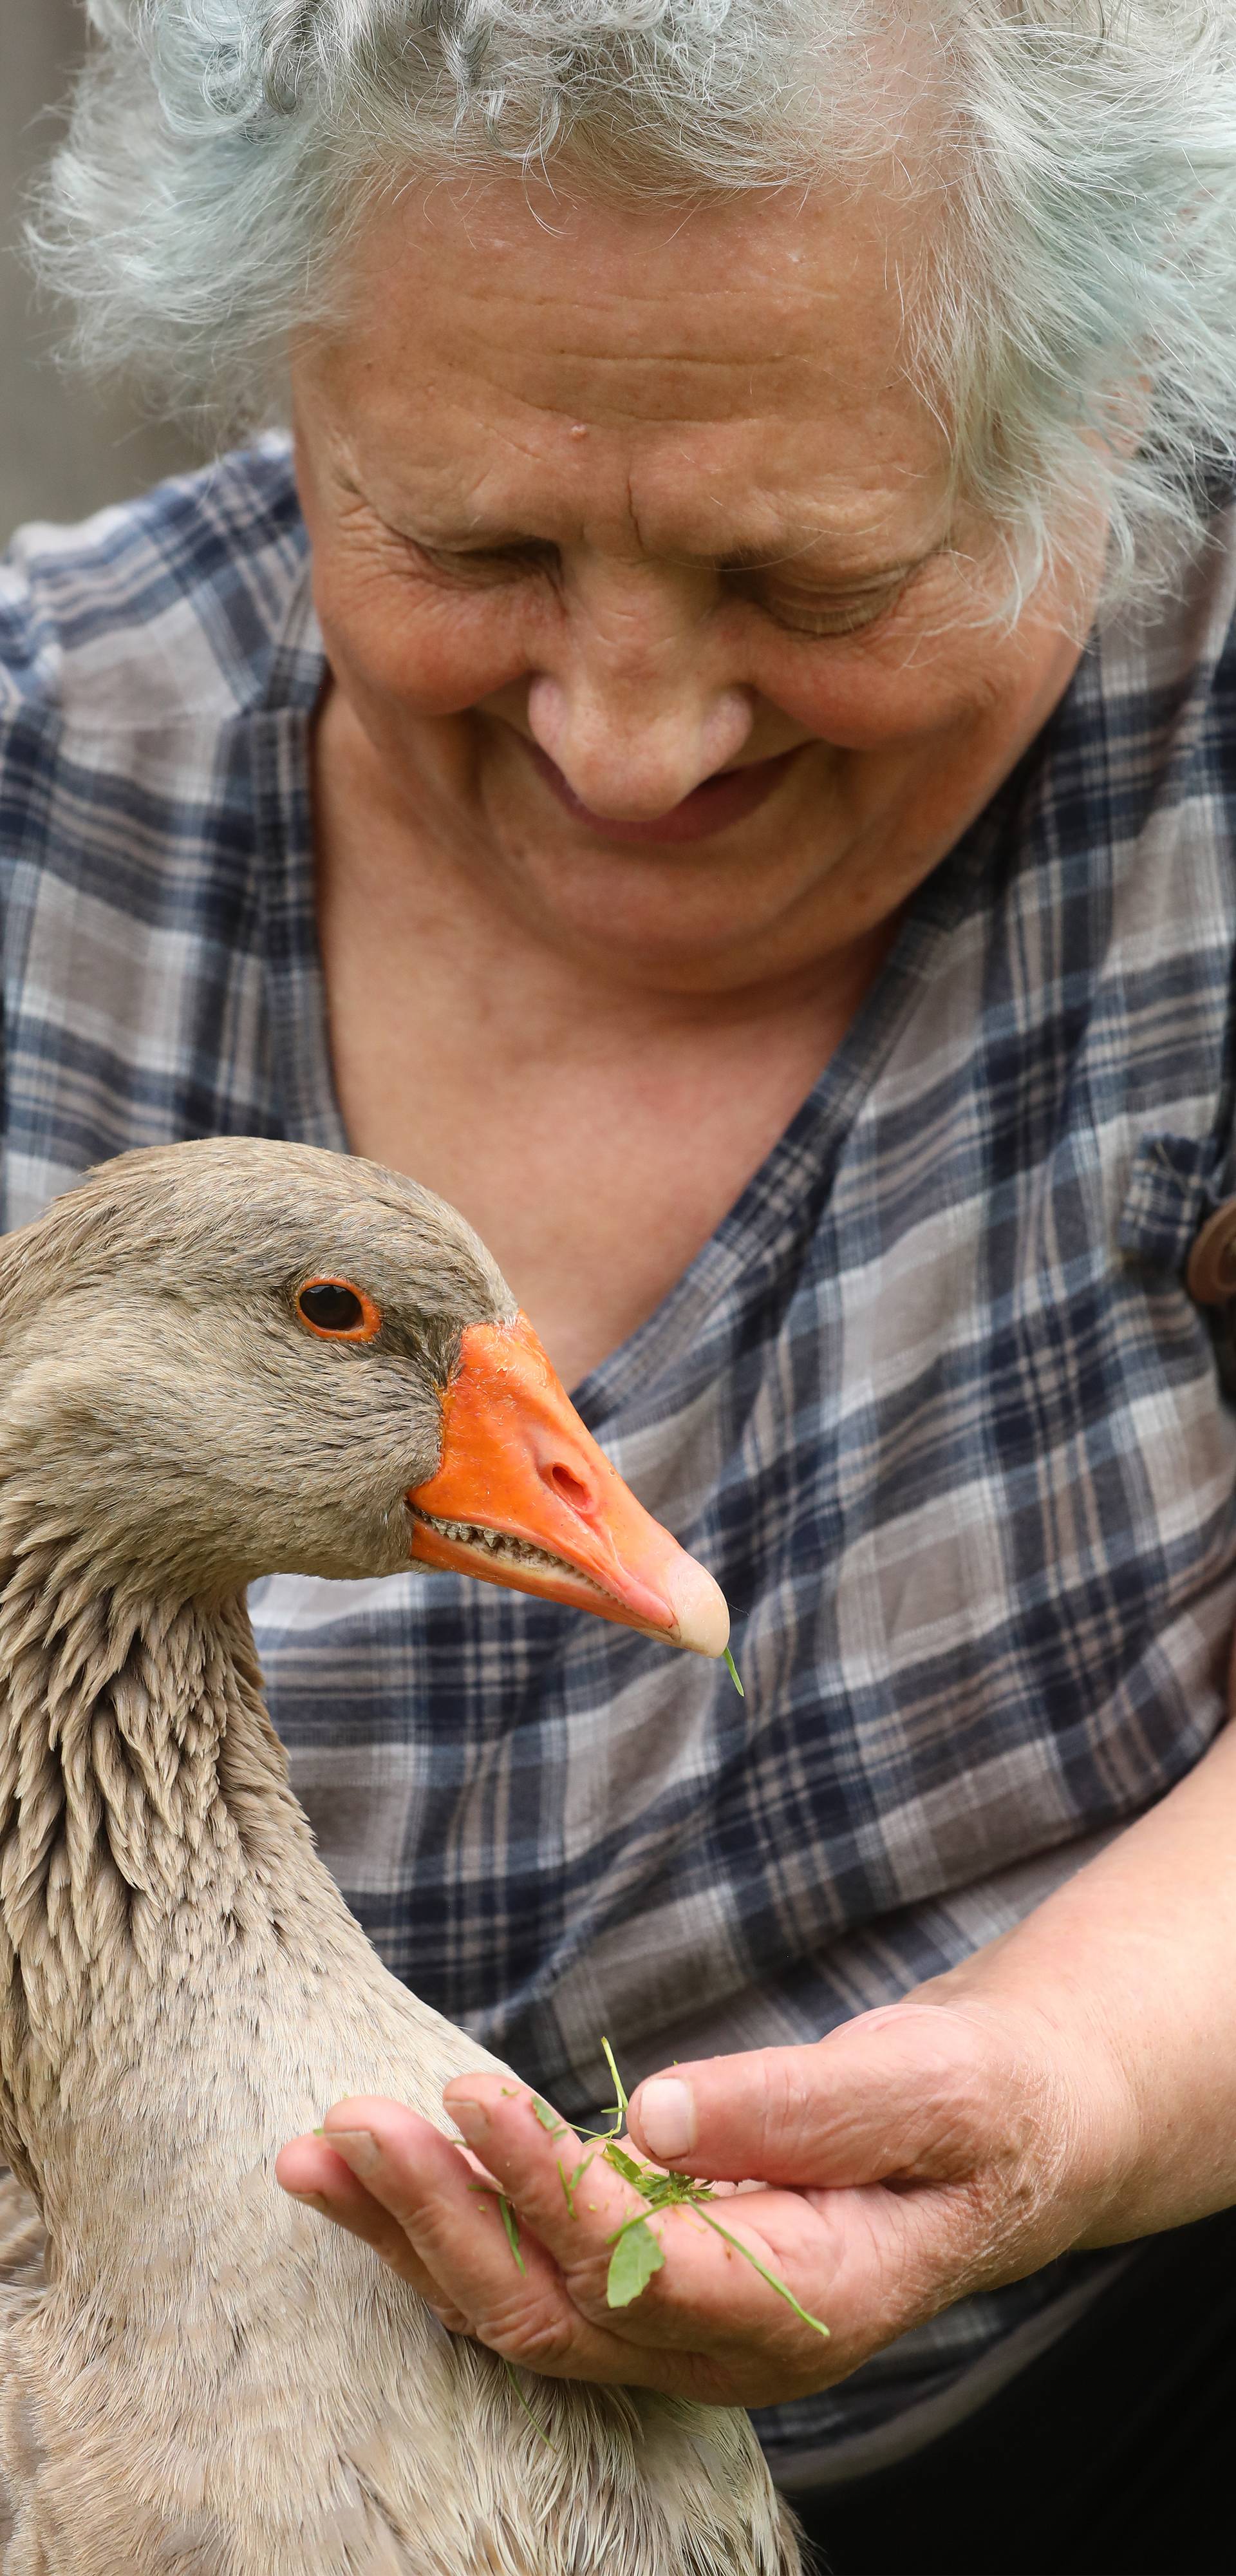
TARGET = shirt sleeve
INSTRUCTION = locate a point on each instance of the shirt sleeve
(30, 654)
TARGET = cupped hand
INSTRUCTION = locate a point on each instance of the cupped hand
(923, 2151)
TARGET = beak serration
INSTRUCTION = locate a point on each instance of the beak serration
(524, 1496)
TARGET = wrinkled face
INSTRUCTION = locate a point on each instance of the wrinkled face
(641, 573)
(261, 1375)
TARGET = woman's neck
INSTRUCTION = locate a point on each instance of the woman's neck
(641, 1112)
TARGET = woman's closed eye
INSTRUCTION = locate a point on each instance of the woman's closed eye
(803, 608)
(809, 610)
(485, 567)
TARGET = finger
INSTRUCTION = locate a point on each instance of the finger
(513, 2293)
(710, 2326)
(311, 2171)
(710, 2293)
(910, 2092)
(561, 2183)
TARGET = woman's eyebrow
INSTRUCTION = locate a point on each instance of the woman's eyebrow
(459, 540)
(478, 539)
(810, 557)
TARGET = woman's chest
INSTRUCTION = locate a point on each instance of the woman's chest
(594, 1199)
(595, 1161)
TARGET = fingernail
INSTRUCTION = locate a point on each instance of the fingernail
(358, 2147)
(471, 2117)
(666, 2113)
(309, 2200)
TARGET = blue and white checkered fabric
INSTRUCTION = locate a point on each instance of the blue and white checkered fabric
(933, 1404)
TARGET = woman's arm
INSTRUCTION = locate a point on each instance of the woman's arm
(1074, 2084)
(1134, 1961)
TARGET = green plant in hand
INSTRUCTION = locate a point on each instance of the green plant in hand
(637, 2253)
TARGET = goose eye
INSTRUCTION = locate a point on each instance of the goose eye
(338, 1311)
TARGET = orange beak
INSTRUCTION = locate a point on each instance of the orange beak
(524, 1497)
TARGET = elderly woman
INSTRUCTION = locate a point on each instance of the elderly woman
(713, 748)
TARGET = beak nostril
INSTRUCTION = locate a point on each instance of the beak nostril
(572, 1488)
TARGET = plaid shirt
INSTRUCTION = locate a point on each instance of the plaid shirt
(933, 1403)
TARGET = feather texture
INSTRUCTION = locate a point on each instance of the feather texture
(201, 2378)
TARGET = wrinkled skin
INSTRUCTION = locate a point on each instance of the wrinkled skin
(647, 494)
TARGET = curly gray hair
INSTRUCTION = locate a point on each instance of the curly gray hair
(1073, 316)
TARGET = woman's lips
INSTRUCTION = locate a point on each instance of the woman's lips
(727, 798)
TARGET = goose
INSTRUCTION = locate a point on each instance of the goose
(219, 1360)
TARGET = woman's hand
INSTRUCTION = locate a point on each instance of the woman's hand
(932, 2148)
(1074, 2083)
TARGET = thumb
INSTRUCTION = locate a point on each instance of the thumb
(906, 2091)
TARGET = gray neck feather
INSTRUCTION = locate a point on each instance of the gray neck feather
(145, 1815)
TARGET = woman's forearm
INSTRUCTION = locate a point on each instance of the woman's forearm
(1134, 1963)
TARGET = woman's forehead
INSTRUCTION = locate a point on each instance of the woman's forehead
(640, 357)
(642, 302)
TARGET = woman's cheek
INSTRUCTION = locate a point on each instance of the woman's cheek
(404, 646)
(865, 694)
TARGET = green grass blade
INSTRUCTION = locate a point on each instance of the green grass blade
(511, 2224)
(509, 2368)
(485, 2191)
(619, 2087)
(732, 1669)
(623, 2164)
(782, 2288)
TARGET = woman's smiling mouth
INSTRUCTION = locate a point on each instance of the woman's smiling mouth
(726, 798)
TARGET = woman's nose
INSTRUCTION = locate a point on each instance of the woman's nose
(630, 711)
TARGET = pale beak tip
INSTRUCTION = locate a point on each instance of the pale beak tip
(701, 1615)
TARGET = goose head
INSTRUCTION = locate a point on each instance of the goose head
(236, 1357)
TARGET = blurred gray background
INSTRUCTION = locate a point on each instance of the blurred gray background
(65, 446)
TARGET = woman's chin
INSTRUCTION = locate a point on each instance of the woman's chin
(733, 929)
(708, 913)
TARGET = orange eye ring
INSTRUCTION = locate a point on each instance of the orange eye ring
(359, 1320)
